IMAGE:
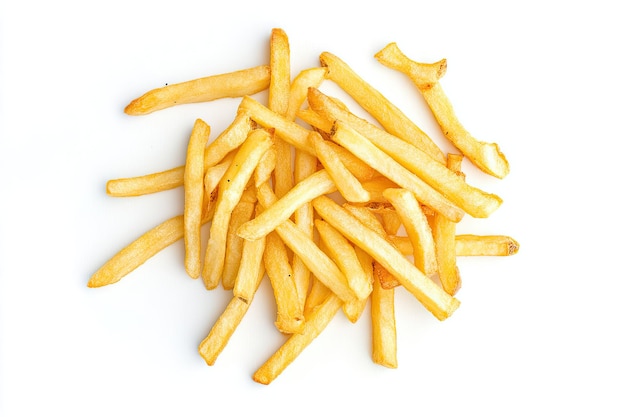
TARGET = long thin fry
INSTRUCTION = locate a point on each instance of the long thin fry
(384, 341)
(232, 84)
(146, 184)
(243, 212)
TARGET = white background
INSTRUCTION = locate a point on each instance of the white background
(539, 333)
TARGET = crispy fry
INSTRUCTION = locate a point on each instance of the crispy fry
(472, 200)
(306, 248)
(354, 309)
(229, 140)
(232, 84)
(146, 184)
(251, 269)
(444, 232)
(194, 197)
(387, 114)
(486, 156)
(438, 302)
(417, 228)
(289, 318)
(347, 184)
(384, 341)
(387, 166)
(316, 296)
(231, 188)
(310, 77)
(243, 211)
(285, 355)
(317, 184)
(492, 245)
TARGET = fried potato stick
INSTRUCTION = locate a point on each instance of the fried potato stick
(232, 84)
(243, 212)
(438, 302)
(310, 77)
(194, 197)
(417, 228)
(365, 150)
(315, 323)
(490, 245)
(146, 184)
(472, 200)
(229, 140)
(376, 104)
(384, 340)
(231, 188)
(486, 156)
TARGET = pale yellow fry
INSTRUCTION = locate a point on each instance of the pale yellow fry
(315, 323)
(231, 188)
(354, 309)
(310, 77)
(384, 340)
(229, 140)
(444, 232)
(243, 211)
(486, 156)
(232, 84)
(146, 184)
(417, 228)
(343, 254)
(289, 317)
(347, 184)
(305, 165)
(365, 150)
(376, 104)
(317, 295)
(376, 187)
(251, 269)
(472, 200)
(437, 301)
(228, 321)
(287, 130)
(491, 245)
(215, 173)
(306, 248)
(317, 184)
(139, 251)
(194, 197)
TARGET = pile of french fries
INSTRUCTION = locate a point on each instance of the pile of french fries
(334, 209)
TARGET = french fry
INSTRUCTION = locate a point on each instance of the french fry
(317, 184)
(315, 323)
(229, 140)
(417, 228)
(343, 254)
(214, 174)
(347, 184)
(354, 309)
(232, 84)
(243, 211)
(486, 156)
(251, 269)
(472, 200)
(491, 245)
(310, 77)
(194, 197)
(231, 188)
(437, 301)
(306, 248)
(444, 232)
(384, 340)
(387, 166)
(289, 318)
(146, 184)
(288, 130)
(376, 104)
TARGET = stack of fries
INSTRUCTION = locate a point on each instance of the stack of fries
(332, 208)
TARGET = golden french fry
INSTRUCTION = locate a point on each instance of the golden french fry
(289, 317)
(343, 254)
(232, 84)
(251, 269)
(317, 295)
(365, 150)
(317, 184)
(310, 77)
(243, 211)
(229, 140)
(315, 323)
(376, 104)
(376, 186)
(437, 301)
(384, 340)
(194, 197)
(444, 232)
(417, 228)
(214, 174)
(306, 248)
(472, 200)
(146, 184)
(491, 245)
(231, 188)
(354, 309)
(287, 130)
(486, 156)
(347, 184)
